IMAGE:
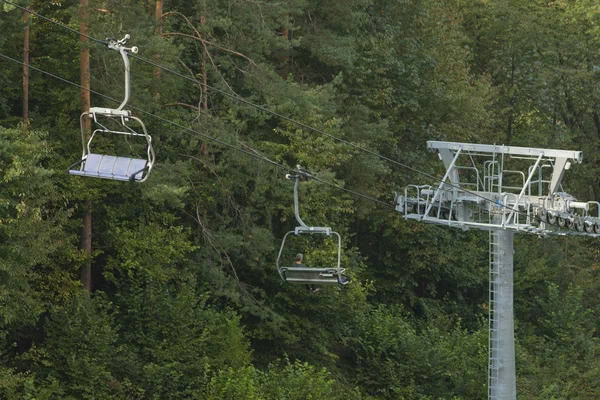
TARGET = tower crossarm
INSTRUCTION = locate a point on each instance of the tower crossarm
(520, 185)
(559, 159)
(576, 156)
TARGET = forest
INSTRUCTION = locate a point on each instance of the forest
(168, 289)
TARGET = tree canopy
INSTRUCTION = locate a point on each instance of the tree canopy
(185, 299)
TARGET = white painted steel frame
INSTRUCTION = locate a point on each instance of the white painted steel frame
(577, 156)
(503, 224)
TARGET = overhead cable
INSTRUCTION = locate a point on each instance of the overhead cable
(236, 97)
(242, 100)
(253, 153)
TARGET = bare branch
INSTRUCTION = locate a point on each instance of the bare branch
(225, 259)
(230, 199)
(193, 77)
(189, 23)
(183, 105)
(208, 43)
(212, 61)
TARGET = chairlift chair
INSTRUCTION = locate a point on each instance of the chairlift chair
(113, 167)
(310, 275)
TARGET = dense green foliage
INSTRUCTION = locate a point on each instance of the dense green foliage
(186, 300)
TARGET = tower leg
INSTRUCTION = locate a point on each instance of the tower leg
(502, 376)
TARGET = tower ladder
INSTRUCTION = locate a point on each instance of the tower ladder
(493, 334)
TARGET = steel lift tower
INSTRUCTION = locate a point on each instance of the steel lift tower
(504, 190)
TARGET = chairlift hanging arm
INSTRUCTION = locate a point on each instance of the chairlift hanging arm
(119, 45)
(301, 174)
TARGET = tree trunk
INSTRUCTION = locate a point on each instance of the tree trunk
(158, 12)
(26, 72)
(204, 68)
(84, 73)
(509, 128)
(283, 59)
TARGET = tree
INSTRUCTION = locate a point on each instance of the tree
(84, 71)
(37, 255)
